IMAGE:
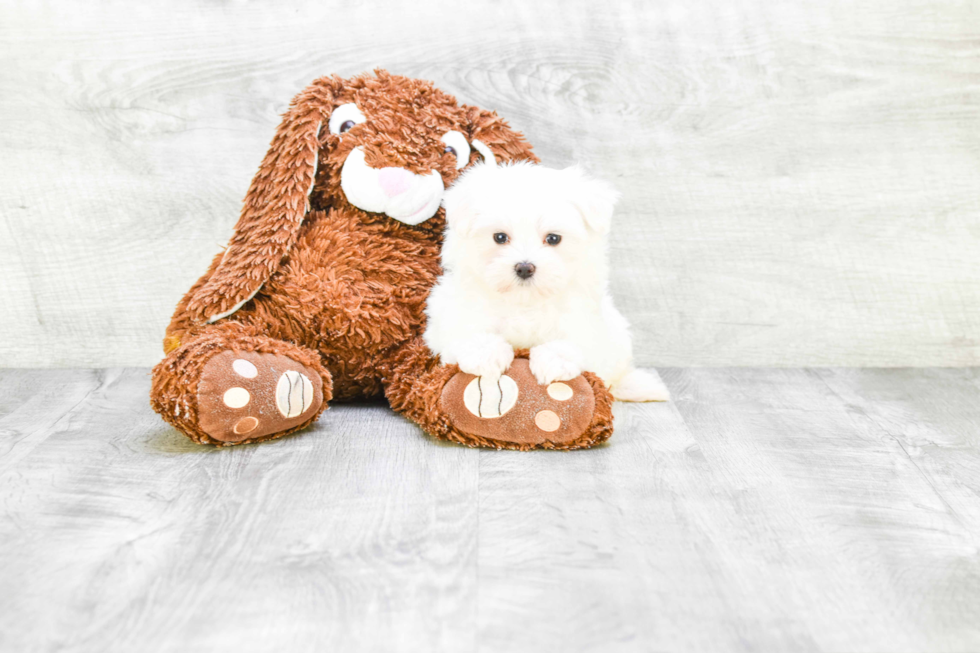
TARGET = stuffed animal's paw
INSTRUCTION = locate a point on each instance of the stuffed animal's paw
(246, 395)
(485, 354)
(558, 360)
(515, 411)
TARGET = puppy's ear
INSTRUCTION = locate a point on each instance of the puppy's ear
(462, 199)
(274, 208)
(594, 198)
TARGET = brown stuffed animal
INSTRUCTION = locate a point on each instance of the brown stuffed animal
(321, 290)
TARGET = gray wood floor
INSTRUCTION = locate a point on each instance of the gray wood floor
(763, 509)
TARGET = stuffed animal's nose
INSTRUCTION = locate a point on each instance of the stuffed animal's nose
(524, 269)
(394, 181)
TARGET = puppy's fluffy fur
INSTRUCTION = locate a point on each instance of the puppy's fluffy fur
(501, 224)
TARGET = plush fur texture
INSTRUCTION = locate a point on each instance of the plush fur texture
(419, 380)
(526, 265)
(338, 287)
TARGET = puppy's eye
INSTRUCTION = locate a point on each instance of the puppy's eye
(344, 118)
(552, 239)
(456, 145)
(500, 238)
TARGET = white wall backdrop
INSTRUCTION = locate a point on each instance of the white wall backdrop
(801, 179)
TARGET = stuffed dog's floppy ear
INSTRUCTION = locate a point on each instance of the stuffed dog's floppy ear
(274, 208)
(594, 198)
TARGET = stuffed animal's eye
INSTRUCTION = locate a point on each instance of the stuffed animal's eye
(344, 118)
(552, 239)
(500, 238)
(457, 145)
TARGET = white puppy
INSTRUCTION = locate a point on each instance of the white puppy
(525, 265)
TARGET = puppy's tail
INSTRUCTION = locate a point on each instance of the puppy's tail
(640, 385)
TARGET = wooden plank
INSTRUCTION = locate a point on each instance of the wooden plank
(585, 551)
(36, 403)
(756, 512)
(826, 510)
(841, 540)
(798, 178)
(934, 416)
(119, 535)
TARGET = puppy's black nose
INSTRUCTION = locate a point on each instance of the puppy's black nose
(524, 270)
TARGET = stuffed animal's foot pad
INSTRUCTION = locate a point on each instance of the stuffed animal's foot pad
(515, 409)
(490, 398)
(247, 395)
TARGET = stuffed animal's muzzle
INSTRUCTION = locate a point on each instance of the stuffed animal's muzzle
(398, 193)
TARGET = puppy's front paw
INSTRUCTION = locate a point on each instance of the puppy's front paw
(559, 360)
(485, 354)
